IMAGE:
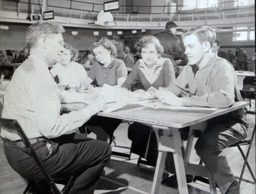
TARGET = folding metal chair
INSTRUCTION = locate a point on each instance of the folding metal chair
(245, 155)
(247, 94)
(48, 185)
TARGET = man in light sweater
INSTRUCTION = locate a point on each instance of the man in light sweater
(32, 99)
(212, 84)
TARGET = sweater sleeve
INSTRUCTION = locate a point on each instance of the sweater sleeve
(92, 72)
(222, 83)
(121, 70)
(85, 79)
(181, 82)
(169, 73)
(133, 77)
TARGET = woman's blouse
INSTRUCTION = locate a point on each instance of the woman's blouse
(107, 75)
(161, 74)
(72, 75)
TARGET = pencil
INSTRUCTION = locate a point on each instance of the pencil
(184, 90)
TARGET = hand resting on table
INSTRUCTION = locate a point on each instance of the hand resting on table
(167, 97)
(99, 104)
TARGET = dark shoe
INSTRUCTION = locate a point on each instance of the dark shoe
(234, 188)
(172, 181)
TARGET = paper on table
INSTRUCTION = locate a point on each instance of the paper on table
(72, 96)
(118, 94)
(154, 104)
(119, 98)
(115, 106)
(114, 93)
(158, 105)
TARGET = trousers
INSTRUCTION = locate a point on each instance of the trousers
(73, 154)
(103, 127)
(144, 141)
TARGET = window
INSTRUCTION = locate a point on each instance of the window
(199, 4)
(244, 34)
(252, 34)
(239, 3)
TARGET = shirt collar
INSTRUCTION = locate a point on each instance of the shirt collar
(151, 74)
(109, 66)
(211, 62)
(158, 64)
(194, 68)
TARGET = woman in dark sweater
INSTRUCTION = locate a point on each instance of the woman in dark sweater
(150, 73)
(106, 69)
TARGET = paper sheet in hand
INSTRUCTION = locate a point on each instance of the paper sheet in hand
(114, 93)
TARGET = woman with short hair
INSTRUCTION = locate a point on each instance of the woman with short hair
(107, 69)
(152, 71)
(68, 74)
(149, 73)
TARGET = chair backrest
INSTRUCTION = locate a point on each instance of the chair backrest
(11, 124)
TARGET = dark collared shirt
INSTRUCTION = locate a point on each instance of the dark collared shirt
(108, 75)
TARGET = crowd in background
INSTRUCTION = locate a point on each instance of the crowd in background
(14, 56)
(238, 59)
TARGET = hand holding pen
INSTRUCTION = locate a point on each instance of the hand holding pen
(184, 92)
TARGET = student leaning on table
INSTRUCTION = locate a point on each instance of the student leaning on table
(70, 76)
(32, 99)
(150, 72)
(212, 85)
(106, 69)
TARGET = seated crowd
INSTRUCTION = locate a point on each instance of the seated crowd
(205, 81)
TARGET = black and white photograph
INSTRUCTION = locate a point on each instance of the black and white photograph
(127, 97)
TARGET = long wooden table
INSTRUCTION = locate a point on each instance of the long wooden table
(166, 122)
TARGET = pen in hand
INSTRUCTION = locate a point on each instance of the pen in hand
(184, 92)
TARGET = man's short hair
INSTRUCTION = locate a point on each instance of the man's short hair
(203, 33)
(36, 30)
(170, 25)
